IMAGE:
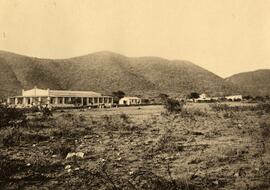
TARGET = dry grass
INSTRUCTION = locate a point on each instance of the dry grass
(131, 148)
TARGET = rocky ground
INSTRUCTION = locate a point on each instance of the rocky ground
(139, 148)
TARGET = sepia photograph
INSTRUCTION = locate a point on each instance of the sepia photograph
(135, 94)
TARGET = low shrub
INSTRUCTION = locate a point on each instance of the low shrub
(228, 114)
(265, 129)
(166, 144)
(81, 118)
(125, 118)
(63, 149)
(11, 116)
(13, 137)
(17, 136)
(46, 112)
(198, 112)
(33, 109)
(224, 107)
(121, 123)
(264, 106)
(219, 107)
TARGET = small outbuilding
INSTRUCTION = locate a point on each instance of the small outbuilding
(203, 98)
(234, 98)
(130, 101)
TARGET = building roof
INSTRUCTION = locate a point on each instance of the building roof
(68, 93)
(58, 93)
(233, 96)
(130, 97)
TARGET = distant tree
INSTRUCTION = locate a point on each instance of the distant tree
(194, 95)
(170, 104)
(173, 105)
(247, 97)
(117, 95)
(145, 101)
(163, 97)
(259, 98)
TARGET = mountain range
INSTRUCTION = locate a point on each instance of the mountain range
(256, 83)
(106, 72)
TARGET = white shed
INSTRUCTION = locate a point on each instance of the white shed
(234, 98)
(130, 101)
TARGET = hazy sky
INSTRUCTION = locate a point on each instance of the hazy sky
(223, 36)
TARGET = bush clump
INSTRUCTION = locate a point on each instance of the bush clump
(173, 105)
(265, 129)
(259, 107)
(46, 112)
(11, 116)
(219, 107)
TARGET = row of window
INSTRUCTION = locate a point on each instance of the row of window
(135, 100)
(77, 100)
(64, 100)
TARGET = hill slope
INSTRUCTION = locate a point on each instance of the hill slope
(254, 82)
(106, 72)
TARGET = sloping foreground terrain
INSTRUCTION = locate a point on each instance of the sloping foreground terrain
(257, 83)
(106, 72)
(139, 148)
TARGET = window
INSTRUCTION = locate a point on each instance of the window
(100, 100)
(90, 100)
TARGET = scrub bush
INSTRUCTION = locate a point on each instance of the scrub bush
(173, 106)
(11, 116)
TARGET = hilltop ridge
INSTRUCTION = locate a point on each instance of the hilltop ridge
(106, 72)
(257, 83)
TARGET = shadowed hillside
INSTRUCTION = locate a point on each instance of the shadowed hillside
(254, 82)
(106, 72)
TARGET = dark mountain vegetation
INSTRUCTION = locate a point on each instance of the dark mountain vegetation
(256, 83)
(108, 72)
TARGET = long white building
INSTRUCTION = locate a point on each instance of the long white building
(59, 98)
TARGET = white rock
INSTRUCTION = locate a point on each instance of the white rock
(78, 154)
(215, 182)
(102, 160)
(118, 159)
(67, 167)
(70, 154)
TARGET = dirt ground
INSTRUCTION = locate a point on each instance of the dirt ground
(138, 148)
